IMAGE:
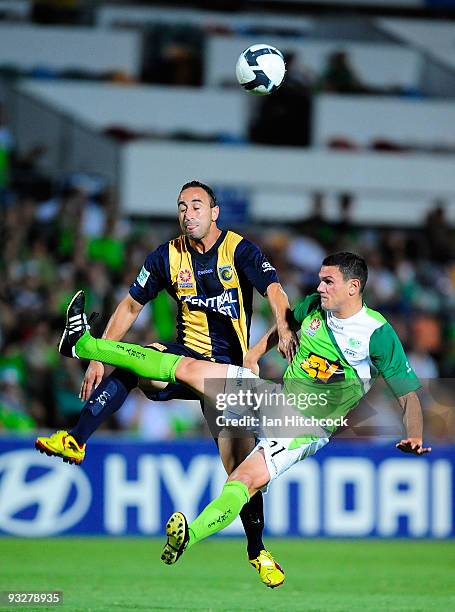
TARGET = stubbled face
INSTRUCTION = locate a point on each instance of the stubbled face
(194, 212)
(335, 291)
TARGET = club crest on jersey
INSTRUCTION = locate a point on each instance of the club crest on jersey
(185, 277)
(313, 327)
(225, 272)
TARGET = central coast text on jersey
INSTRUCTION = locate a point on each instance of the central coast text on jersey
(227, 303)
(213, 291)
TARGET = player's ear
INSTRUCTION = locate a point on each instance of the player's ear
(354, 286)
(215, 212)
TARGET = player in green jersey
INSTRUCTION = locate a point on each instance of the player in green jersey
(344, 346)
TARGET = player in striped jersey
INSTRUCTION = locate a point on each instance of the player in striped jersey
(211, 274)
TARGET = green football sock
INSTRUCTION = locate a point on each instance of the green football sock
(144, 362)
(220, 512)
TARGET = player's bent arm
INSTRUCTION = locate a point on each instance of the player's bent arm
(412, 415)
(279, 303)
(388, 356)
(286, 338)
(413, 423)
(122, 318)
(268, 341)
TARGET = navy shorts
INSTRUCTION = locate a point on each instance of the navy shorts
(175, 390)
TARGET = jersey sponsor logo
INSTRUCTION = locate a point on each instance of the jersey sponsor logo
(313, 327)
(227, 303)
(185, 277)
(267, 267)
(143, 277)
(354, 343)
(225, 272)
(322, 369)
(202, 272)
(350, 352)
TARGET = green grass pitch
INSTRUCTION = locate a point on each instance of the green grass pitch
(334, 575)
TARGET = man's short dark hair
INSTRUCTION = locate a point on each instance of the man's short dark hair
(350, 265)
(208, 190)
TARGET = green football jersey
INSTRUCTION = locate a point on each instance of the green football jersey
(339, 359)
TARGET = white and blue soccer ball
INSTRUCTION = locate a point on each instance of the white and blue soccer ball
(260, 69)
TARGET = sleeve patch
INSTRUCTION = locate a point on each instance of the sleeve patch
(267, 266)
(143, 277)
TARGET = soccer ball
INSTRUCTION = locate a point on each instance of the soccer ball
(260, 69)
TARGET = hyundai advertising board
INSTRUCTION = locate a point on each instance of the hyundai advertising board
(129, 487)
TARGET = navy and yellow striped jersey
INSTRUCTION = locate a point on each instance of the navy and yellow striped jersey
(213, 291)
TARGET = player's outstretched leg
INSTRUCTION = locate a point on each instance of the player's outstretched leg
(77, 342)
(217, 515)
(233, 451)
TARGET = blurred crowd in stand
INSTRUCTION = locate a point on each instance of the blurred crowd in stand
(176, 54)
(59, 236)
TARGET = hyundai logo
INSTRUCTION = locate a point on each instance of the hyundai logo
(61, 495)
